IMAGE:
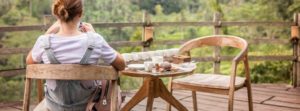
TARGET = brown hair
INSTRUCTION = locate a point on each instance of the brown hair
(67, 10)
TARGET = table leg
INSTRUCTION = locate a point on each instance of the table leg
(151, 94)
(153, 87)
(167, 96)
(138, 97)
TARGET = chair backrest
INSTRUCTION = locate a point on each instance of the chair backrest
(215, 40)
(71, 72)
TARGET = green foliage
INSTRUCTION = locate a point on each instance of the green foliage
(271, 72)
(5, 6)
(43, 7)
(170, 6)
(11, 88)
(295, 7)
(12, 17)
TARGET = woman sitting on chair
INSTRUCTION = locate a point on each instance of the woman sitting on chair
(70, 42)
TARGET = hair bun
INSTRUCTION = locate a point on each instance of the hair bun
(67, 10)
(63, 13)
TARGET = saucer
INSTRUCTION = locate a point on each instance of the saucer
(136, 66)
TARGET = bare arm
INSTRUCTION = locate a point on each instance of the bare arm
(119, 62)
(29, 59)
(53, 29)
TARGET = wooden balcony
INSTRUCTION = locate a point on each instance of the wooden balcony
(266, 97)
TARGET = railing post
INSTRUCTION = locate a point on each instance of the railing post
(47, 21)
(217, 50)
(296, 50)
(148, 32)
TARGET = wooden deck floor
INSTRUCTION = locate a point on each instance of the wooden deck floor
(266, 97)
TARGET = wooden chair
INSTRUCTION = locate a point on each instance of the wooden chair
(214, 83)
(69, 72)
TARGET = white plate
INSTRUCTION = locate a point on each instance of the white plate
(136, 66)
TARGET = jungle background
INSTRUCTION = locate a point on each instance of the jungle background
(30, 12)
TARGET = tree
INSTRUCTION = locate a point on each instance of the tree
(170, 6)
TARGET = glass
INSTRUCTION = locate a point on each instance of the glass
(157, 59)
(146, 55)
(127, 57)
(135, 56)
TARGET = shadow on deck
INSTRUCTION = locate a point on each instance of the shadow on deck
(266, 97)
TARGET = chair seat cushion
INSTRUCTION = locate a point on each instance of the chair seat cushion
(210, 81)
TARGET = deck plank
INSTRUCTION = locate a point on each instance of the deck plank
(283, 104)
(288, 100)
(266, 97)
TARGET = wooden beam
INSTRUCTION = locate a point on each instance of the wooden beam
(160, 24)
(116, 44)
(255, 23)
(251, 58)
(9, 51)
(106, 25)
(261, 40)
(156, 24)
(22, 28)
(11, 72)
(71, 72)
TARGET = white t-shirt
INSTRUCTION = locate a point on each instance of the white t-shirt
(70, 50)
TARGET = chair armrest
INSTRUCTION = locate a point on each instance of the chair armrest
(240, 56)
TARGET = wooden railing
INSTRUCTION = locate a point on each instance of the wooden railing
(217, 24)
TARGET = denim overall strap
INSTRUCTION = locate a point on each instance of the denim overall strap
(89, 50)
(68, 95)
(49, 52)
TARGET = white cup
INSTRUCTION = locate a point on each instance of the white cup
(148, 66)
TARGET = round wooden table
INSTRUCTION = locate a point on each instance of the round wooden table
(153, 87)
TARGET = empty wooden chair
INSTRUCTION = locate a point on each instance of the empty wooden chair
(70, 72)
(216, 83)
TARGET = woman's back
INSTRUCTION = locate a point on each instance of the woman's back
(70, 50)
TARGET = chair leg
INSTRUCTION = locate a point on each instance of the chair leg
(194, 95)
(40, 90)
(230, 100)
(114, 96)
(248, 84)
(249, 92)
(26, 100)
